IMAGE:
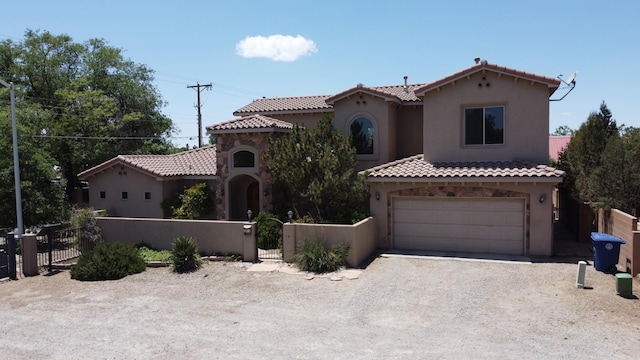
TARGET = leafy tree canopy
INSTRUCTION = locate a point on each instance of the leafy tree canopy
(92, 103)
(316, 170)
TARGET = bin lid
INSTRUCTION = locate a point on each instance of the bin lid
(596, 236)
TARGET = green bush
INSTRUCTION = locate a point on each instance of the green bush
(149, 254)
(108, 262)
(192, 203)
(269, 231)
(184, 254)
(318, 257)
(90, 234)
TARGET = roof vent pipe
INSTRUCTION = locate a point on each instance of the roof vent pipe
(406, 88)
(477, 60)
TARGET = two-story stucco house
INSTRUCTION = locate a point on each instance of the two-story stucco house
(457, 164)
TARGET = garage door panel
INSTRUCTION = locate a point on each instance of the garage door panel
(476, 225)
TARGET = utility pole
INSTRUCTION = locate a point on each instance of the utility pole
(198, 87)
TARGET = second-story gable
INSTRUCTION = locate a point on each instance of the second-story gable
(487, 113)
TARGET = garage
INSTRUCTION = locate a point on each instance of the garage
(459, 225)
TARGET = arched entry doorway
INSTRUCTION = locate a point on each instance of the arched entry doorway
(244, 194)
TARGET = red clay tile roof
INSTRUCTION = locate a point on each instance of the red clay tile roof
(288, 104)
(414, 167)
(254, 122)
(197, 162)
(557, 144)
(551, 82)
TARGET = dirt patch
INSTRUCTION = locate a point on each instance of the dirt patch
(399, 307)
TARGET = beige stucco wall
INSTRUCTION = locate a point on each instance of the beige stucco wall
(539, 226)
(526, 119)
(114, 180)
(409, 126)
(213, 237)
(307, 120)
(360, 237)
(383, 116)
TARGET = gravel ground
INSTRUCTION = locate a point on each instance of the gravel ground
(399, 307)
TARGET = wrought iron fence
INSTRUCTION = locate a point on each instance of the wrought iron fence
(53, 247)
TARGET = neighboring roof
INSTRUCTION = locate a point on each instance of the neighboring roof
(286, 104)
(415, 167)
(251, 122)
(197, 162)
(557, 144)
(552, 83)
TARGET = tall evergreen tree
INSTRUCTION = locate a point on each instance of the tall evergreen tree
(316, 168)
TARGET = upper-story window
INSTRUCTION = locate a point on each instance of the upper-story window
(484, 125)
(362, 135)
(244, 159)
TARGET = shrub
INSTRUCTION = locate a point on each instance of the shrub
(193, 203)
(318, 257)
(149, 254)
(108, 262)
(269, 231)
(90, 234)
(184, 254)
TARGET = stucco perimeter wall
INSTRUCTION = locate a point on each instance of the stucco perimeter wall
(625, 226)
(213, 237)
(360, 237)
(538, 222)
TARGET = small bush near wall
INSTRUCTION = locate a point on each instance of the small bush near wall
(318, 257)
(108, 262)
(184, 254)
(90, 233)
(269, 231)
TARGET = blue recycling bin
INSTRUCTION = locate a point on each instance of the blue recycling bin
(606, 250)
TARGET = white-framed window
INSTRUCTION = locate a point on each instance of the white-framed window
(362, 135)
(484, 125)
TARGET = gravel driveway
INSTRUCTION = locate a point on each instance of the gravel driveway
(399, 307)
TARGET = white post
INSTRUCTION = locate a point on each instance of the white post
(582, 269)
(16, 164)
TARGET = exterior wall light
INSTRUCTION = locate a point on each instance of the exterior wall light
(249, 214)
(377, 195)
(543, 197)
(290, 214)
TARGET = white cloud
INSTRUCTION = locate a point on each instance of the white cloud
(276, 47)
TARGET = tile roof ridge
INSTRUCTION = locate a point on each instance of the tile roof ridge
(397, 162)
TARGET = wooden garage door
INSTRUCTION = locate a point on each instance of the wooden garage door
(467, 225)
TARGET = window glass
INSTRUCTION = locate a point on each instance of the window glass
(243, 158)
(125, 195)
(103, 195)
(484, 126)
(147, 195)
(362, 135)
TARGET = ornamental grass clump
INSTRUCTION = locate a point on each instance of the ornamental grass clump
(108, 261)
(184, 254)
(316, 256)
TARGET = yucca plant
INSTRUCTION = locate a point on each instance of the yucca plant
(184, 254)
(318, 257)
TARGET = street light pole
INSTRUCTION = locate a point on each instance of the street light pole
(16, 165)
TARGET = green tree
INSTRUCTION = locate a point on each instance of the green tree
(193, 203)
(98, 103)
(563, 130)
(43, 201)
(316, 170)
(583, 155)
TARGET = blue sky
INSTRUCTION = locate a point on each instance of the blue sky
(325, 47)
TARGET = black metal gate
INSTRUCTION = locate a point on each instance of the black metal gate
(269, 237)
(4, 256)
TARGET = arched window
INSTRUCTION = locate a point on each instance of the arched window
(244, 159)
(362, 134)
